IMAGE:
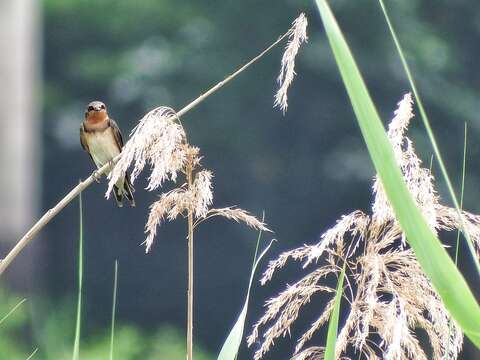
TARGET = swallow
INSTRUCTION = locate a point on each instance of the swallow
(101, 138)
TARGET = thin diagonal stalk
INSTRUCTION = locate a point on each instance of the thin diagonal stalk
(32, 354)
(114, 307)
(12, 311)
(431, 136)
(50, 214)
(462, 189)
(457, 243)
(234, 339)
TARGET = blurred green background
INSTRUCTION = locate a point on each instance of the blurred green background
(304, 169)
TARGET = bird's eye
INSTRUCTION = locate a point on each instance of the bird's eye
(90, 108)
(102, 107)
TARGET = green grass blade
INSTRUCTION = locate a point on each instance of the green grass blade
(457, 242)
(114, 307)
(431, 136)
(76, 345)
(232, 343)
(32, 354)
(435, 261)
(462, 189)
(12, 311)
(333, 322)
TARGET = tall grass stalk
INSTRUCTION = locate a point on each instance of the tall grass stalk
(190, 270)
(462, 189)
(160, 140)
(76, 345)
(12, 310)
(114, 307)
(234, 339)
(431, 136)
(32, 354)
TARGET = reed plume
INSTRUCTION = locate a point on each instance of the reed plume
(160, 142)
(296, 37)
(390, 298)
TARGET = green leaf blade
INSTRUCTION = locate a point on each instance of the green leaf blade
(431, 136)
(333, 322)
(12, 310)
(231, 345)
(114, 309)
(435, 261)
(76, 345)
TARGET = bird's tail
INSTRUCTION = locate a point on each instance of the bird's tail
(129, 190)
(124, 189)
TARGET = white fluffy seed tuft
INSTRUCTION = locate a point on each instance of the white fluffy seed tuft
(297, 36)
(158, 140)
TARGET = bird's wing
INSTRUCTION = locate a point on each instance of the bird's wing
(116, 133)
(83, 142)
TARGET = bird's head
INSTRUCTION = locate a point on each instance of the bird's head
(96, 109)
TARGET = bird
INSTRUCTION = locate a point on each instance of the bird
(101, 138)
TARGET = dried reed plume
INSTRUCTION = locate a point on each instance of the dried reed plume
(297, 36)
(159, 140)
(390, 297)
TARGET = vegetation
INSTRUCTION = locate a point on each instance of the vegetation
(403, 295)
(55, 331)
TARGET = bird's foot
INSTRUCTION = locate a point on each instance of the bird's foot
(96, 176)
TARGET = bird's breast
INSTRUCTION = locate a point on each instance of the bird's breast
(102, 146)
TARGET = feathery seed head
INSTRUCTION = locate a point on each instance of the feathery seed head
(391, 297)
(159, 141)
(202, 196)
(240, 216)
(297, 36)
